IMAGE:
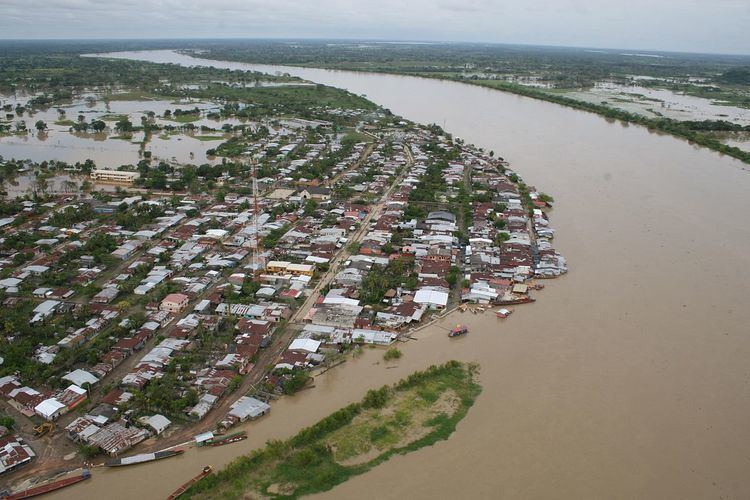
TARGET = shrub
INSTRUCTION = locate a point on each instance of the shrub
(392, 353)
(376, 398)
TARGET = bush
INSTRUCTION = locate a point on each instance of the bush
(376, 398)
(7, 422)
(87, 451)
(392, 353)
(546, 198)
(296, 382)
(379, 433)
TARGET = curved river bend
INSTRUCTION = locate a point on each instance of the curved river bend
(629, 378)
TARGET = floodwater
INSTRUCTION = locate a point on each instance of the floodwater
(107, 149)
(653, 102)
(60, 183)
(628, 378)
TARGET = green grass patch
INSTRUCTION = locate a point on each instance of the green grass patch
(112, 117)
(65, 123)
(186, 118)
(134, 95)
(354, 136)
(391, 420)
(208, 137)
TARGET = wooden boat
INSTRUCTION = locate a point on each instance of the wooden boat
(458, 331)
(143, 458)
(519, 300)
(48, 487)
(182, 489)
(226, 439)
(504, 313)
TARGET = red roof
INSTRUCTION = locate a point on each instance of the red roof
(175, 298)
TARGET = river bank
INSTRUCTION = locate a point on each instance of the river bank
(418, 411)
(677, 128)
(627, 380)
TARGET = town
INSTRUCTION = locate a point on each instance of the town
(186, 299)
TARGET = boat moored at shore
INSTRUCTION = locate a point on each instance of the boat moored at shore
(182, 489)
(48, 487)
(225, 439)
(143, 458)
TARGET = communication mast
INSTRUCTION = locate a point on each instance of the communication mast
(256, 212)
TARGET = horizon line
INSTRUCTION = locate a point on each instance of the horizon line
(375, 40)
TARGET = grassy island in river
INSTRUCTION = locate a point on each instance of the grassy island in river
(417, 411)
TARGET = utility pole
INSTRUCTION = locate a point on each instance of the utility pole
(258, 250)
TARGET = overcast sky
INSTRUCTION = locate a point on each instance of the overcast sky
(680, 25)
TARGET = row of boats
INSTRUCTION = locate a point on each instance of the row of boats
(217, 440)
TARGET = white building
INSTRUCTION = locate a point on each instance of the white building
(80, 377)
(118, 176)
(50, 409)
(248, 408)
(433, 299)
(157, 423)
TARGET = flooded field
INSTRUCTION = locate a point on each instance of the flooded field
(741, 141)
(627, 379)
(110, 149)
(653, 102)
(60, 183)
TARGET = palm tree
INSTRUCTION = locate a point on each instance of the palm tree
(70, 186)
(39, 184)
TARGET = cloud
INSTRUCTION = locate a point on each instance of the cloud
(685, 25)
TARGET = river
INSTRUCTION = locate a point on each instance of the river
(628, 378)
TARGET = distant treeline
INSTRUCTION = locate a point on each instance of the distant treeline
(61, 73)
(56, 74)
(561, 66)
(694, 131)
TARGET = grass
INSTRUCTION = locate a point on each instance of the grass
(112, 117)
(133, 95)
(65, 123)
(186, 118)
(208, 137)
(416, 412)
(355, 136)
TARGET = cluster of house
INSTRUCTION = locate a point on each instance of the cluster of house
(47, 404)
(194, 244)
(199, 252)
(509, 241)
(14, 451)
(339, 317)
(98, 429)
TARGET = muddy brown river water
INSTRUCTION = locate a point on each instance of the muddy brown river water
(628, 378)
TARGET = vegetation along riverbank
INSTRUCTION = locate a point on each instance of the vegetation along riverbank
(558, 75)
(418, 411)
